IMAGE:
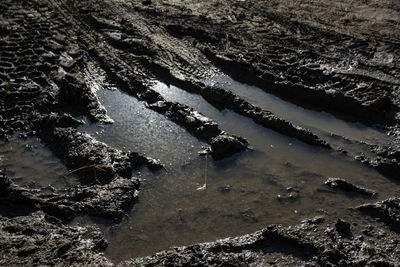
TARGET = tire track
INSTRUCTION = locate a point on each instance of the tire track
(133, 81)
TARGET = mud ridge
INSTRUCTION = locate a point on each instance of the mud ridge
(349, 187)
(384, 162)
(134, 82)
(110, 200)
(387, 210)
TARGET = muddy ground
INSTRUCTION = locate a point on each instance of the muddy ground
(341, 57)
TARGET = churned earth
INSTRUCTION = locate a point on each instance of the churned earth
(200, 133)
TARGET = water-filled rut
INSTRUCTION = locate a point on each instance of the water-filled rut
(31, 164)
(281, 180)
(321, 123)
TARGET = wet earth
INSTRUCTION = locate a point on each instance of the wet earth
(199, 133)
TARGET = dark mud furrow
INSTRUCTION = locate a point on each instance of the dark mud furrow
(263, 117)
(222, 144)
(353, 78)
(306, 74)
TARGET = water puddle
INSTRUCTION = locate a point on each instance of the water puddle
(142, 130)
(279, 181)
(321, 123)
(31, 164)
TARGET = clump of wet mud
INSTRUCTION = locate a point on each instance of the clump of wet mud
(109, 200)
(38, 239)
(349, 187)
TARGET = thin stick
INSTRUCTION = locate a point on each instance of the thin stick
(96, 166)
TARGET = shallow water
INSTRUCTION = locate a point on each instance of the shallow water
(244, 193)
(322, 123)
(281, 180)
(31, 164)
(142, 130)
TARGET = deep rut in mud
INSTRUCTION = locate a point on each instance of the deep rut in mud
(281, 180)
(226, 117)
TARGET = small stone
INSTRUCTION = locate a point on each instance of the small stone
(225, 189)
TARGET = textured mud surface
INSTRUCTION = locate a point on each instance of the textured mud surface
(336, 58)
(41, 240)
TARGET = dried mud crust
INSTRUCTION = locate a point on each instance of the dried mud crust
(40, 240)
